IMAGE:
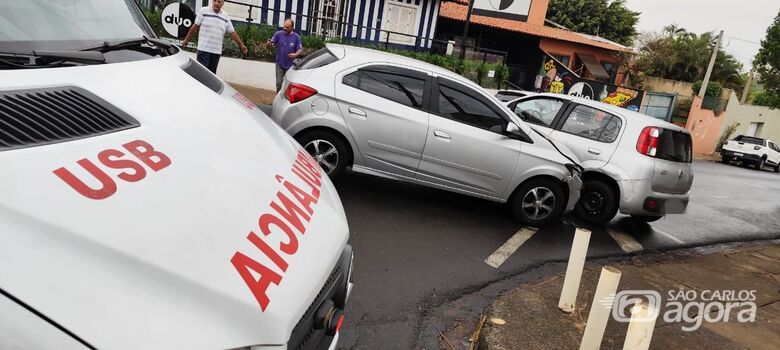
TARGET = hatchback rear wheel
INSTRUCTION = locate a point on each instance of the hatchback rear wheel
(598, 202)
(538, 202)
(327, 149)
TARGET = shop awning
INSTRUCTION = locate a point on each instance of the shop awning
(593, 65)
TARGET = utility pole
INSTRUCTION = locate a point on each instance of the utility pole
(712, 64)
(746, 90)
(466, 30)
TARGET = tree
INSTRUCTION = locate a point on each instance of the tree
(677, 54)
(767, 64)
(610, 20)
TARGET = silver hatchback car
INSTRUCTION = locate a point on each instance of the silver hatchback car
(400, 118)
(633, 163)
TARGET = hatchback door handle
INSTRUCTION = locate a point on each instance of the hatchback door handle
(442, 135)
(357, 111)
(594, 151)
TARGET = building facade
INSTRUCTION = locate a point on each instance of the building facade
(528, 42)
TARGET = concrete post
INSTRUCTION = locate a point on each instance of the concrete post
(450, 47)
(571, 282)
(600, 308)
(640, 330)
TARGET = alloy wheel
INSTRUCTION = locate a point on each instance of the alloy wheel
(324, 153)
(538, 203)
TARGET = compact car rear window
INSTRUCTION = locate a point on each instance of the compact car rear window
(316, 59)
(675, 146)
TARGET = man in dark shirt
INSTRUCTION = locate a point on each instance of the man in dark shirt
(288, 47)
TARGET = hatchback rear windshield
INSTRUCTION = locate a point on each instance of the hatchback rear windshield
(316, 59)
(748, 139)
(674, 146)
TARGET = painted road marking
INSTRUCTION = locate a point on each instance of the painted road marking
(625, 241)
(505, 251)
(679, 241)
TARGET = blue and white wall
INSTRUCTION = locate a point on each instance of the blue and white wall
(294, 9)
(374, 14)
(370, 14)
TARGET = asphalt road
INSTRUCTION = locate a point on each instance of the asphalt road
(417, 248)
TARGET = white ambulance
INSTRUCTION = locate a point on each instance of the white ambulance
(145, 204)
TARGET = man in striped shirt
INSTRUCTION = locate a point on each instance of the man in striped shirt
(214, 23)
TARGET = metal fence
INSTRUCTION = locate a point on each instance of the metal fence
(335, 28)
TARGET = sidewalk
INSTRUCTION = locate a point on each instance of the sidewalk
(256, 95)
(533, 320)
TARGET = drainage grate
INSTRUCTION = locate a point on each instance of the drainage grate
(44, 116)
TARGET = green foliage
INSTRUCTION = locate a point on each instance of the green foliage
(607, 19)
(726, 135)
(714, 89)
(502, 74)
(768, 99)
(677, 54)
(767, 64)
(481, 71)
(155, 20)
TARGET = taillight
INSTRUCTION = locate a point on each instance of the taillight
(298, 92)
(647, 143)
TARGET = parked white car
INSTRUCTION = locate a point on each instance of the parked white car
(633, 163)
(752, 150)
(400, 118)
(511, 95)
(145, 204)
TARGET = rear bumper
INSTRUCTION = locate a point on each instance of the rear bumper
(739, 156)
(638, 198)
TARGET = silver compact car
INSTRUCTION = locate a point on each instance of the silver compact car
(400, 118)
(633, 163)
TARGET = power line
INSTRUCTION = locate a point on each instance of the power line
(745, 40)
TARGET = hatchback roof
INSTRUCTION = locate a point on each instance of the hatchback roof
(631, 115)
(362, 54)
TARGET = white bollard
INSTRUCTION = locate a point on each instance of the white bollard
(450, 47)
(571, 282)
(600, 308)
(640, 330)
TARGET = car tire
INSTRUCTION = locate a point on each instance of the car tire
(598, 202)
(760, 164)
(646, 218)
(777, 168)
(538, 202)
(724, 160)
(328, 149)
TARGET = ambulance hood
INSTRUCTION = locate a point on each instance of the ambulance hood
(158, 262)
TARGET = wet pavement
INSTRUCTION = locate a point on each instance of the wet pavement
(418, 249)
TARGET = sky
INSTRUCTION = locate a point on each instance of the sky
(744, 21)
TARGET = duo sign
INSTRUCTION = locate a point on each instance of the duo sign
(177, 19)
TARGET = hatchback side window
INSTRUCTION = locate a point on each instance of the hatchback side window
(458, 105)
(593, 124)
(540, 111)
(394, 87)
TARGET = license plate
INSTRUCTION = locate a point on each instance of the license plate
(738, 154)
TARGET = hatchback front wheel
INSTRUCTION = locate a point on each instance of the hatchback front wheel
(538, 202)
